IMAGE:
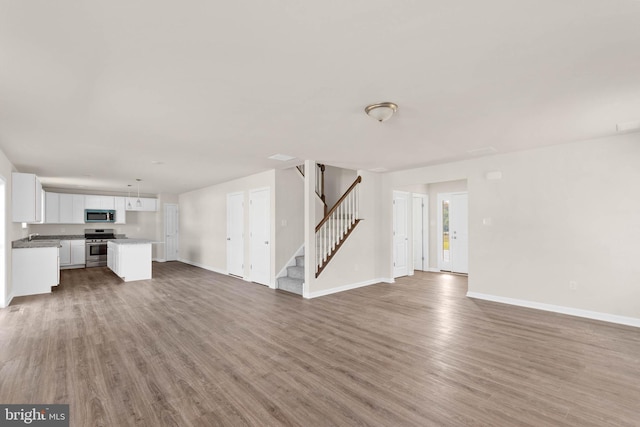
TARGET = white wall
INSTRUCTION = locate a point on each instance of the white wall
(559, 214)
(203, 222)
(289, 215)
(13, 231)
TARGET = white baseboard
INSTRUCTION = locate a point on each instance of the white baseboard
(434, 270)
(206, 267)
(343, 288)
(9, 299)
(595, 315)
(159, 260)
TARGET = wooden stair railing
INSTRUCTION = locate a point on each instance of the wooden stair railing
(319, 183)
(337, 225)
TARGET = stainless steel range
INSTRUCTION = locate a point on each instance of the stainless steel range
(96, 240)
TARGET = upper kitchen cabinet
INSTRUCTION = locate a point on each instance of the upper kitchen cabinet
(99, 202)
(71, 209)
(148, 205)
(26, 198)
(51, 208)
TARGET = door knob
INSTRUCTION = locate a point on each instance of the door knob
(228, 238)
(266, 242)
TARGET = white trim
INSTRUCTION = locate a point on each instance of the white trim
(8, 301)
(291, 262)
(595, 315)
(206, 267)
(434, 270)
(159, 260)
(345, 288)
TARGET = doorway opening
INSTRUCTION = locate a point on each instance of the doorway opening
(430, 230)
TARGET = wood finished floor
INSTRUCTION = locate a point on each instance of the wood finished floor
(195, 348)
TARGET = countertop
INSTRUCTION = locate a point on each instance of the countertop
(131, 241)
(52, 241)
(42, 243)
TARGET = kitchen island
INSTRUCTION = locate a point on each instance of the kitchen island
(130, 259)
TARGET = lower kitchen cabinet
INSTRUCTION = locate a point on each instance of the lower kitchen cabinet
(29, 280)
(72, 253)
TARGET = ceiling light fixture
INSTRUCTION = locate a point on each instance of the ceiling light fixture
(138, 202)
(129, 197)
(382, 111)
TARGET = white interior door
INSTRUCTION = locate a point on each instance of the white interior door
(400, 233)
(260, 237)
(459, 233)
(235, 234)
(171, 232)
(420, 220)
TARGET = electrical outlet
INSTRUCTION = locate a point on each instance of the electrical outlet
(573, 285)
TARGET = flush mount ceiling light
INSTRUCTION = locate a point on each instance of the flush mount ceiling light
(382, 111)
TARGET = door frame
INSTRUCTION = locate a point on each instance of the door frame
(425, 229)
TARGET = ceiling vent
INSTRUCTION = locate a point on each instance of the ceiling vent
(628, 126)
(281, 157)
(482, 151)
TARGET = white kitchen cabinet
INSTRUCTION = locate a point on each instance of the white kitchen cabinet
(148, 204)
(99, 202)
(121, 212)
(51, 208)
(65, 253)
(29, 280)
(72, 253)
(78, 248)
(130, 261)
(26, 198)
(71, 209)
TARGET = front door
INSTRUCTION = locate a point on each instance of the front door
(235, 234)
(260, 229)
(459, 233)
(453, 252)
(400, 233)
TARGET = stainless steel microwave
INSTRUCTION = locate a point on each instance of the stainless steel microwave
(99, 215)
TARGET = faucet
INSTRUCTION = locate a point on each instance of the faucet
(32, 235)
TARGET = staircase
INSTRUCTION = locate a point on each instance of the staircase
(294, 279)
(331, 233)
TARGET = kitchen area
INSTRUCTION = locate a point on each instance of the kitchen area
(74, 230)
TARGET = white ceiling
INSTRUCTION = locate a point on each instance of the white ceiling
(103, 88)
